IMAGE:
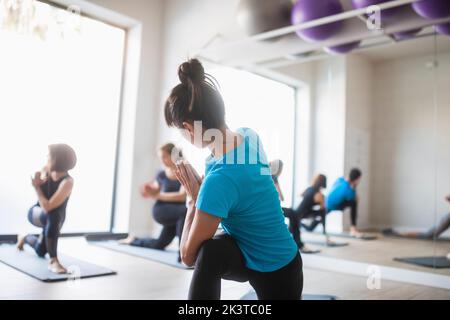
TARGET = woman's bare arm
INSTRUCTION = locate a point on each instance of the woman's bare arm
(63, 192)
(198, 227)
(320, 199)
(280, 192)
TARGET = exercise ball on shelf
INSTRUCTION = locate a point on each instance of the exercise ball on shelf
(307, 10)
(343, 48)
(385, 14)
(259, 16)
(432, 9)
(404, 35)
(443, 29)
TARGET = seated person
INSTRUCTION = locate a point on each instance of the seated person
(53, 186)
(343, 195)
(312, 206)
(434, 232)
(170, 207)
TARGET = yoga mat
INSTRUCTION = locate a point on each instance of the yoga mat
(335, 244)
(348, 236)
(11, 239)
(29, 263)
(163, 256)
(252, 296)
(310, 251)
(429, 262)
(390, 233)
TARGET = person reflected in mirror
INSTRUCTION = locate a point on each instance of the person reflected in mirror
(433, 233)
(343, 195)
(312, 207)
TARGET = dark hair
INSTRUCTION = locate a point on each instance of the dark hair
(63, 157)
(354, 174)
(172, 150)
(196, 98)
(319, 181)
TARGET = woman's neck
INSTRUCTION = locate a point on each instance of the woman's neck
(228, 141)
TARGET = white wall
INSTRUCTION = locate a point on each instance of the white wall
(404, 191)
(329, 119)
(358, 121)
(325, 82)
(305, 74)
(143, 121)
(188, 26)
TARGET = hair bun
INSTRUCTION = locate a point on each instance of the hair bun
(191, 70)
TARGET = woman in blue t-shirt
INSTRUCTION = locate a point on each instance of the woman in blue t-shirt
(237, 192)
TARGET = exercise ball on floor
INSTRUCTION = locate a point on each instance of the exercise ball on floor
(443, 29)
(259, 16)
(342, 48)
(385, 14)
(432, 9)
(307, 10)
(404, 35)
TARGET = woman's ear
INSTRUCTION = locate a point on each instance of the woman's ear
(189, 127)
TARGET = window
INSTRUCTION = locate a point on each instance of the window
(264, 105)
(60, 87)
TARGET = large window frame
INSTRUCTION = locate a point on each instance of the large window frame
(125, 25)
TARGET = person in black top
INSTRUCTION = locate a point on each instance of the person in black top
(170, 206)
(312, 206)
(53, 186)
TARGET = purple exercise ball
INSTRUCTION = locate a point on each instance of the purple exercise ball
(432, 9)
(404, 35)
(343, 48)
(307, 10)
(443, 29)
(385, 14)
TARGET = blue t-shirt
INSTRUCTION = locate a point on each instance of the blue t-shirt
(339, 193)
(239, 189)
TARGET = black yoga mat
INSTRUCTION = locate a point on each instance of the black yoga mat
(429, 262)
(167, 257)
(391, 233)
(252, 296)
(29, 263)
(334, 244)
(8, 239)
(365, 237)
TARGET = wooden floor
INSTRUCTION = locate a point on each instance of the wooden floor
(383, 251)
(142, 279)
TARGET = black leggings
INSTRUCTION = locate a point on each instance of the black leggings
(51, 224)
(353, 205)
(438, 229)
(171, 216)
(220, 258)
(295, 222)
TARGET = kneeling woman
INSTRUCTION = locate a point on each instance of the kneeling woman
(170, 207)
(312, 206)
(237, 192)
(53, 187)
